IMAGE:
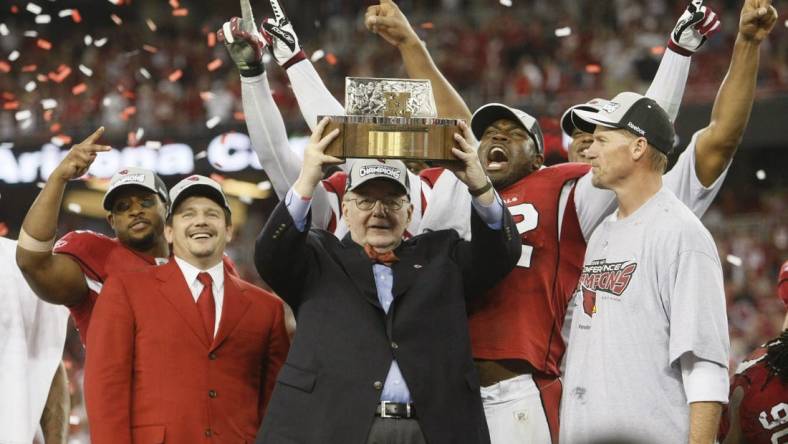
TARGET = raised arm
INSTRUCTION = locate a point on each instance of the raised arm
(388, 21)
(717, 143)
(55, 278)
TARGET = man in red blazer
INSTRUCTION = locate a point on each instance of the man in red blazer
(184, 352)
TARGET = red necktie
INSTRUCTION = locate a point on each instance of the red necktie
(386, 258)
(206, 304)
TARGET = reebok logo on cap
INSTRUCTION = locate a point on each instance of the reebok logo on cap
(636, 129)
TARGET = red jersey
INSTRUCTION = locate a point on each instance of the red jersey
(99, 257)
(763, 413)
(521, 318)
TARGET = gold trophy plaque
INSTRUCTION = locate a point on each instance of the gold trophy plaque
(391, 118)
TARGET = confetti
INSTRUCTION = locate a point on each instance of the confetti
(139, 133)
(175, 4)
(57, 141)
(30, 68)
(201, 155)
(30, 86)
(118, 21)
(8, 95)
(31, 34)
(4, 29)
(4, 66)
(75, 207)
(64, 13)
(733, 260)
(23, 115)
(213, 121)
(26, 124)
(264, 185)
(79, 89)
(211, 39)
(180, 12)
(317, 55)
(593, 68)
(33, 8)
(507, 3)
(239, 116)
(100, 42)
(175, 75)
(43, 19)
(15, 9)
(563, 32)
(206, 96)
(88, 40)
(144, 72)
(13, 56)
(49, 104)
(44, 44)
(246, 199)
(85, 70)
(150, 49)
(760, 174)
(10, 106)
(40, 77)
(48, 118)
(114, 2)
(657, 50)
(61, 74)
(331, 58)
(75, 16)
(427, 25)
(153, 144)
(214, 65)
(786, 23)
(41, 184)
(128, 112)
(151, 25)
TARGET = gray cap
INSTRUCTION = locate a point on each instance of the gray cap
(364, 170)
(635, 113)
(488, 114)
(132, 176)
(197, 185)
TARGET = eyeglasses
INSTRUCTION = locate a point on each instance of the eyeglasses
(390, 203)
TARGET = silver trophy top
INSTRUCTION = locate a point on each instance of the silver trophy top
(367, 96)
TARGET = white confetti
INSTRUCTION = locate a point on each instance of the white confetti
(246, 199)
(57, 141)
(201, 155)
(43, 19)
(153, 144)
(733, 260)
(23, 115)
(317, 55)
(100, 42)
(13, 56)
(145, 73)
(118, 21)
(88, 40)
(507, 3)
(107, 101)
(33, 8)
(64, 13)
(49, 103)
(264, 185)
(4, 30)
(30, 86)
(213, 121)
(73, 420)
(786, 23)
(151, 25)
(140, 132)
(31, 34)
(760, 174)
(114, 2)
(26, 124)
(75, 207)
(563, 32)
(41, 185)
(85, 70)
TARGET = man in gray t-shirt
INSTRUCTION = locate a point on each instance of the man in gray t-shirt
(648, 346)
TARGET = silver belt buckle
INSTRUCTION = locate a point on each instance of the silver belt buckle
(383, 413)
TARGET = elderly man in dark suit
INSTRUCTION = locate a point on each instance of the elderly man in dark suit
(381, 353)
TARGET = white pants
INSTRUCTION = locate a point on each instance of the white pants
(514, 412)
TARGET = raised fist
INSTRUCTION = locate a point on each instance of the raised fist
(757, 20)
(694, 27)
(388, 21)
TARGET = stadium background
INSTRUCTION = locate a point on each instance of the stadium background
(151, 72)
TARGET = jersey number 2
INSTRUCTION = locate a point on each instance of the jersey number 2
(529, 222)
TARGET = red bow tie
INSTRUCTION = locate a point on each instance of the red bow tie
(386, 258)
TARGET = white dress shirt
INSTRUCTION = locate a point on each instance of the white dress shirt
(190, 273)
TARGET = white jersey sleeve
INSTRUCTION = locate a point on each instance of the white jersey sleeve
(593, 204)
(314, 99)
(448, 206)
(269, 139)
(683, 181)
(668, 85)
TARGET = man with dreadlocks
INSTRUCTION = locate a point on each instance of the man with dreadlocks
(758, 411)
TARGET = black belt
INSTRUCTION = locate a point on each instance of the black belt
(388, 409)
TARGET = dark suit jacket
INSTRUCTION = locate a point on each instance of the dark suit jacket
(154, 376)
(327, 390)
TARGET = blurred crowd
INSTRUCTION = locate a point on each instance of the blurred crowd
(158, 67)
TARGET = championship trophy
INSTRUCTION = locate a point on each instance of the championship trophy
(391, 119)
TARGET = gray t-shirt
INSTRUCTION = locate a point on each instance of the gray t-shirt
(651, 290)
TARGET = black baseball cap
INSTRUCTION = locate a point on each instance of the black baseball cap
(487, 114)
(640, 115)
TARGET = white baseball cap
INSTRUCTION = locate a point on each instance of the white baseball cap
(364, 170)
(137, 177)
(197, 185)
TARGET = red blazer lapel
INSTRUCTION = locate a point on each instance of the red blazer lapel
(233, 309)
(175, 289)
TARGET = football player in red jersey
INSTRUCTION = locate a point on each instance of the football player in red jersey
(72, 271)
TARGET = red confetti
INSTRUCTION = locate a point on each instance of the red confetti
(215, 64)
(75, 16)
(79, 89)
(61, 74)
(211, 39)
(331, 58)
(658, 50)
(175, 4)
(427, 25)
(9, 95)
(150, 49)
(180, 12)
(44, 44)
(55, 127)
(128, 112)
(11, 105)
(3, 229)
(593, 68)
(239, 116)
(29, 68)
(4, 66)
(14, 9)
(176, 75)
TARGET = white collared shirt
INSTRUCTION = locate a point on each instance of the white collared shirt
(190, 273)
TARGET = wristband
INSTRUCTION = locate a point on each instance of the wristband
(482, 190)
(30, 243)
(253, 71)
(300, 55)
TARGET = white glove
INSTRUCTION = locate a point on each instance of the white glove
(245, 48)
(282, 40)
(694, 27)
